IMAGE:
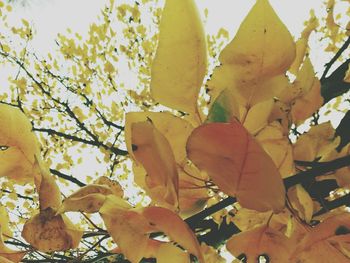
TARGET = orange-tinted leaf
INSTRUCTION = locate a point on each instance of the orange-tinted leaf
(333, 226)
(260, 241)
(153, 151)
(180, 62)
(237, 164)
(48, 232)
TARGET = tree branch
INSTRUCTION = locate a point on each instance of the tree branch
(67, 177)
(95, 142)
(335, 58)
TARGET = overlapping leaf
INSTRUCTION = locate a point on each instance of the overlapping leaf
(18, 145)
(174, 129)
(237, 164)
(249, 67)
(261, 241)
(153, 151)
(131, 227)
(278, 147)
(323, 241)
(180, 62)
(7, 254)
(90, 198)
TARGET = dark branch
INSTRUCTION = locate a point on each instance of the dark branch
(329, 205)
(94, 142)
(67, 177)
(335, 58)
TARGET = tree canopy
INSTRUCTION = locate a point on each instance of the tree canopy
(204, 153)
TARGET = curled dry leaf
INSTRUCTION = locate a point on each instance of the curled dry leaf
(87, 199)
(237, 164)
(179, 65)
(90, 198)
(48, 232)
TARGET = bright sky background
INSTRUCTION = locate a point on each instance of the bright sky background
(50, 17)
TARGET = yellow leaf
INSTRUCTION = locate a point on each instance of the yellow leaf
(175, 129)
(211, 255)
(8, 255)
(174, 227)
(5, 222)
(193, 194)
(262, 240)
(319, 141)
(87, 199)
(237, 164)
(168, 253)
(153, 151)
(48, 232)
(19, 145)
(179, 66)
(128, 228)
(305, 93)
(49, 193)
(257, 116)
(255, 61)
(246, 219)
(278, 147)
(302, 42)
(262, 45)
(301, 202)
(347, 75)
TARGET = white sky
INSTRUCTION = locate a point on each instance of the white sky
(50, 17)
